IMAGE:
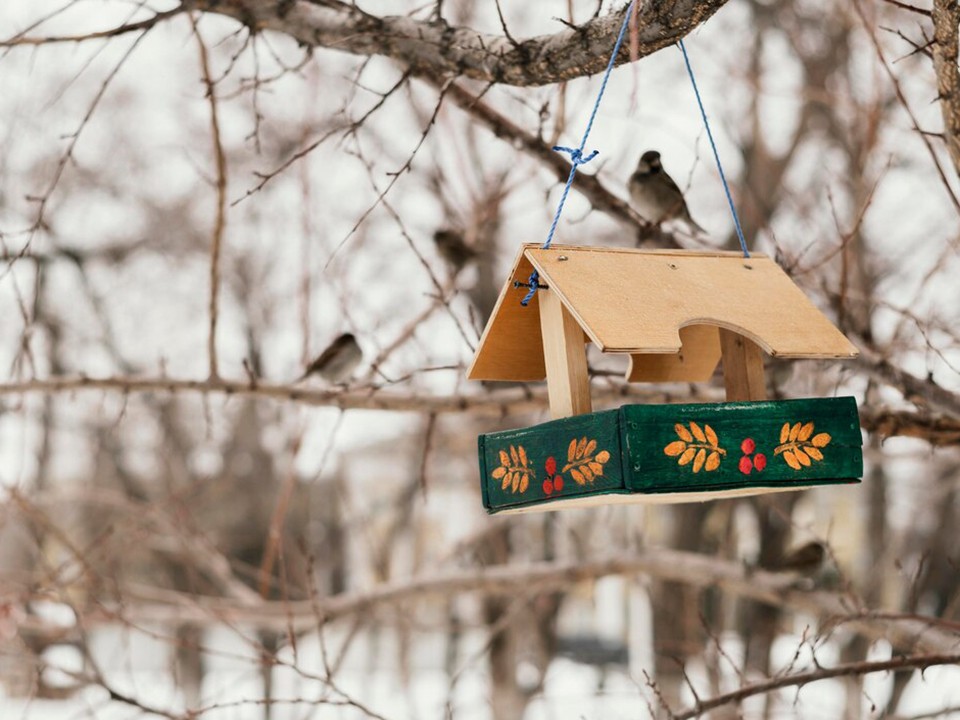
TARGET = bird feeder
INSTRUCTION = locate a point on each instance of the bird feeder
(677, 314)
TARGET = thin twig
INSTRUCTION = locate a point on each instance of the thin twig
(101, 34)
(219, 224)
(853, 669)
(903, 101)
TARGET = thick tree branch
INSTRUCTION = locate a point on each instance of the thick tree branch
(852, 669)
(935, 428)
(437, 49)
(148, 604)
(500, 402)
(946, 18)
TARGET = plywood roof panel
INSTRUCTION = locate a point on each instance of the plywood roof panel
(636, 302)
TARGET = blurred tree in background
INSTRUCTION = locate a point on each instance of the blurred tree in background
(197, 197)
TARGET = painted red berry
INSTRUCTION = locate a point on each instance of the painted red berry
(558, 483)
(748, 446)
(548, 486)
(551, 466)
(746, 464)
(760, 462)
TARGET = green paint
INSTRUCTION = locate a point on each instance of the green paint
(636, 436)
(552, 439)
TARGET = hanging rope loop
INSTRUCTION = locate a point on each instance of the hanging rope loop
(716, 155)
(576, 154)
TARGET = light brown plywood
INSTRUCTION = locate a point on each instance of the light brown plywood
(742, 368)
(635, 301)
(695, 362)
(511, 347)
(638, 302)
(588, 501)
(568, 385)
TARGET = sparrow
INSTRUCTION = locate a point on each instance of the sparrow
(806, 560)
(453, 249)
(338, 362)
(655, 196)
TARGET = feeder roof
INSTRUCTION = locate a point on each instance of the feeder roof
(662, 307)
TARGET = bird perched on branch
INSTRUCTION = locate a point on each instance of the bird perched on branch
(453, 249)
(656, 197)
(805, 560)
(338, 362)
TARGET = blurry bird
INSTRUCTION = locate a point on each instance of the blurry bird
(806, 560)
(453, 249)
(338, 362)
(655, 196)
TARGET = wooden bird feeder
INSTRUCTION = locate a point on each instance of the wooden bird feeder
(676, 314)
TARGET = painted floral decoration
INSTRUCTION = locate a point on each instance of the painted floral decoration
(696, 445)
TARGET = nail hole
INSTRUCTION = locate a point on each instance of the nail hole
(672, 266)
(749, 267)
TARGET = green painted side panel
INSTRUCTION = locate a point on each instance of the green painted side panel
(674, 448)
(596, 469)
(682, 448)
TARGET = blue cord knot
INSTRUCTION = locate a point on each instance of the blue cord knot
(576, 154)
(534, 284)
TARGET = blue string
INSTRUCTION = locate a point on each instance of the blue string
(716, 156)
(576, 154)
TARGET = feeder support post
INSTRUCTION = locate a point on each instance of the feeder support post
(565, 357)
(742, 367)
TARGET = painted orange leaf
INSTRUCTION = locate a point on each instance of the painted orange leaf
(699, 460)
(514, 472)
(675, 448)
(799, 447)
(713, 461)
(821, 440)
(697, 432)
(697, 445)
(711, 435)
(791, 459)
(583, 465)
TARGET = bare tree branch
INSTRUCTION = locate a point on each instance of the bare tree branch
(147, 604)
(946, 18)
(911, 662)
(220, 219)
(147, 24)
(436, 48)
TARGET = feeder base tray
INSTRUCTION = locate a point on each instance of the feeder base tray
(672, 454)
